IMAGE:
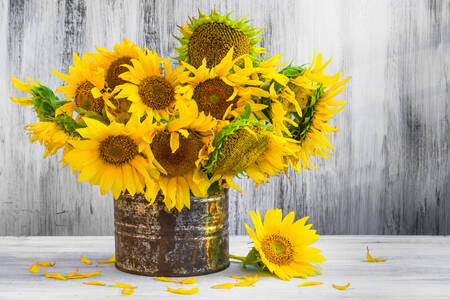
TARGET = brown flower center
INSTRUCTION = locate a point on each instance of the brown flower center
(156, 92)
(118, 150)
(241, 149)
(277, 249)
(115, 69)
(211, 96)
(85, 100)
(213, 40)
(183, 160)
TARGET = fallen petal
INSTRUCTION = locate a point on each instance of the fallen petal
(247, 282)
(341, 287)
(80, 276)
(309, 283)
(94, 283)
(46, 264)
(34, 268)
(128, 292)
(238, 277)
(54, 275)
(166, 279)
(373, 259)
(108, 261)
(183, 291)
(225, 286)
(188, 281)
(124, 285)
(85, 261)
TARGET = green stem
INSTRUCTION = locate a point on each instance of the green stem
(241, 258)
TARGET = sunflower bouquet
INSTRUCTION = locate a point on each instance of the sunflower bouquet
(134, 122)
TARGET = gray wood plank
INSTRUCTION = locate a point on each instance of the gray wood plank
(417, 268)
(390, 171)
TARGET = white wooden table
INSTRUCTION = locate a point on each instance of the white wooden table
(417, 268)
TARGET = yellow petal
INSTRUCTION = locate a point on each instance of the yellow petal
(247, 282)
(124, 285)
(108, 261)
(238, 277)
(76, 275)
(34, 268)
(85, 261)
(54, 275)
(128, 292)
(341, 287)
(166, 279)
(183, 291)
(188, 281)
(46, 264)
(373, 259)
(225, 286)
(309, 283)
(94, 283)
(174, 141)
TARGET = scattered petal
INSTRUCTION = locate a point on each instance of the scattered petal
(309, 283)
(187, 281)
(183, 291)
(85, 261)
(94, 283)
(124, 285)
(238, 277)
(225, 286)
(108, 261)
(128, 292)
(76, 275)
(247, 282)
(341, 287)
(46, 264)
(373, 259)
(34, 268)
(54, 275)
(166, 279)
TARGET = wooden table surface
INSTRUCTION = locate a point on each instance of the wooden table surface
(418, 267)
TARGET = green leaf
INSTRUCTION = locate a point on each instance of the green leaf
(245, 114)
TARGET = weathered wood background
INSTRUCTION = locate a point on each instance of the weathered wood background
(390, 172)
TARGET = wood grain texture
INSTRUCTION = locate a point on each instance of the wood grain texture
(391, 168)
(416, 268)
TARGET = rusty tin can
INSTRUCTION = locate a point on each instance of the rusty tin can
(152, 241)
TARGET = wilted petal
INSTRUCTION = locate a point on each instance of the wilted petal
(124, 285)
(341, 287)
(34, 268)
(247, 282)
(188, 281)
(309, 283)
(373, 259)
(166, 279)
(108, 261)
(54, 275)
(128, 292)
(85, 261)
(226, 285)
(94, 283)
(238, 277)
(183, 291)
(46, 264)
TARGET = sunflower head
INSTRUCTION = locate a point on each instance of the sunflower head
(212, 36)
(282, 246)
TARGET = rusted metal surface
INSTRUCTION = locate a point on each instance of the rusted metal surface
(150, 240)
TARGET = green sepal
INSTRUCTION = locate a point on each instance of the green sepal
(253, 258)
(214, 188)
(45, 102)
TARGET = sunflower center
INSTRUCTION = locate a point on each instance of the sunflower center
(115, 69)
(277, 249)
(213, 40)
(85, 100)
(118, 150)
(211, 96)
(183, 160)
(241, 149)
(156, 92)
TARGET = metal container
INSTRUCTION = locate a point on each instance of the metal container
(152, 241)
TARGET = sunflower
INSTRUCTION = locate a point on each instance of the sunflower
(221, 91)
(114, 63)
(211, 37)
(112, 156)
(50, 134)
(85, 83)
(180, 149)
(247, 146)
(24, 87)
(283, 246)
(151, 92)
(311, 106)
